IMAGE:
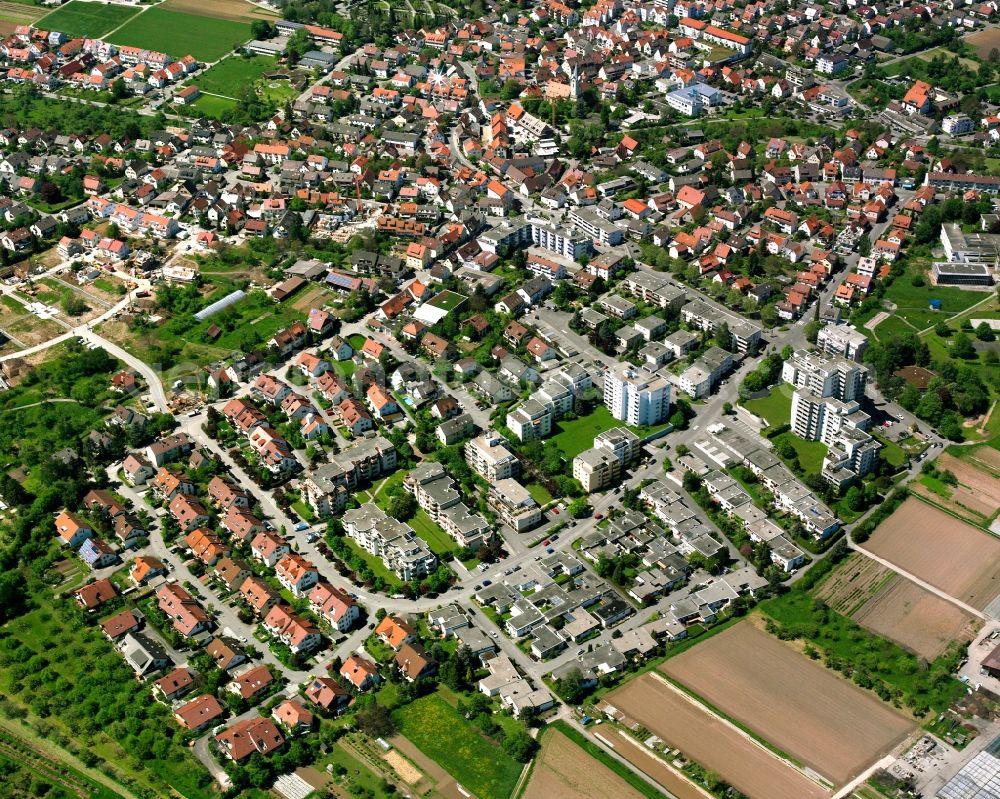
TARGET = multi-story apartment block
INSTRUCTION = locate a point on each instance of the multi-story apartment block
(488, 456)
(825, 375)
(514, 506)
(636, 396)
(603, 464)
(391, 540)
(699, 314)
(328, 487)
(842, 340)
(436, 493)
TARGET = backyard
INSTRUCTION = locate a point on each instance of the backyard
(577, 435)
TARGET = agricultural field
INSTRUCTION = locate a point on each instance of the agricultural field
(975, 497)
(685, 724)
(984, 41)
(477, 763)
(236, 10)
(87, 20)
(796, 704)
(13, 14)
(563, 770)
(951, 555)
(894, 607)
(179, 34)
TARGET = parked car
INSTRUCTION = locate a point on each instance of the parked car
(302, 526)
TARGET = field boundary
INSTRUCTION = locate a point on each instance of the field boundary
(922, 583)
(954, 515)
(646, 787)
(750, 735)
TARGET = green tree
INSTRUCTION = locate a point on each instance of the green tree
(402, 506)
(520, 746)
(962, 347)
(579, 508)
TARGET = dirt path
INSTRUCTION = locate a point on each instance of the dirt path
(922, 583)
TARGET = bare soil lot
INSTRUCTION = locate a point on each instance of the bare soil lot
(564, 771)
(705, 738)
(984, 41)
(802, 708)
(238, 10)
(951, 555)
(893, 606)
(977, 495)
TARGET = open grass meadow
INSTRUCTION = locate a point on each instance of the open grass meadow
(87, 20)
(230, 74)
(477, 763)
(211, 106)
(809, 453)
(179, 34)
(913, 302)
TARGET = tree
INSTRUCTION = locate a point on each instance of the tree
(520, 746)
(572, 687)
(961, 347)
(984, 332)
(579, 508)
(402, 506)
(261, 29)
(376, 721)
(120, 90)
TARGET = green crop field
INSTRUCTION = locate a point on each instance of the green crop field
(179, 34)
(230, 74)
(438, 730)
(88, 20)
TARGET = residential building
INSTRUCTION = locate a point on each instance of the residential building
(636, 396)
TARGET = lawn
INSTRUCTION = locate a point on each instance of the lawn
(576, 436)
(539, 493)
(913, 302)
(210, 105)
(87, 20)
(230, 74)
(775, 408)
(891, 452)
(437, 539)
(375, 564)
(180, 34)
(477, 763)
(810, 453)
(356, 340)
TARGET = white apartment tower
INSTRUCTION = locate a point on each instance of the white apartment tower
(636, 396)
